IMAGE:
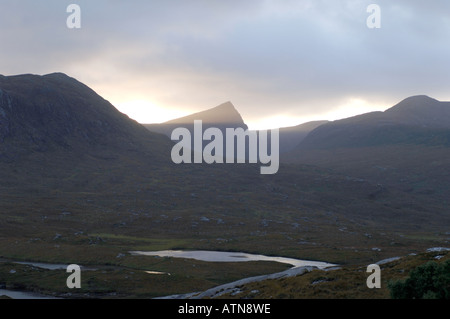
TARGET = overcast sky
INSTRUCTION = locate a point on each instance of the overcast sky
(280, 62)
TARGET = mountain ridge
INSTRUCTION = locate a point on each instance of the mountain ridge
(226, 116)
(222, 116)
(55, 111)
(416, 119)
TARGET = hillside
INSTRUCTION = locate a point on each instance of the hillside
(415, 120)
(56, 113)
(406, 147)
(342, 283)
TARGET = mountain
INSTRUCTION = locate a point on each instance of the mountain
(421, 111)
(57, 136)
(415, 120)
(406, 147)
(290, 137)
(55, 112)
(226, 116)
(223, 116)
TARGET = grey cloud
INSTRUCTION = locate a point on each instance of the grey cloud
(302, 56)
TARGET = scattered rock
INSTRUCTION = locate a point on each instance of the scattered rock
(315, 282)
(387, 260)
(437, 249)
(235, 292)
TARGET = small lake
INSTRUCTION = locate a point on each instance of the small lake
(15, 294)
(22, 295)
(44, 265)
(223, 256)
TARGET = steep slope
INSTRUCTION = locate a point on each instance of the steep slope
(221, 117)
(55, 112)
(58, 135)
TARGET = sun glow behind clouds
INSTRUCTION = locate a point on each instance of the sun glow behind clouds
(276, 121)
(352, 107)
(348, 108)
(156, 60)
(146, 112)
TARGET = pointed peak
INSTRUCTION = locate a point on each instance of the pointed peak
(227, 104)
(224, 108)
(224, 113)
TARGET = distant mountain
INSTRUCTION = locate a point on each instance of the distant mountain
(421, 111)
(223, 116)
(56, 113)
(290, 137)
(226, 116)
(406, 147)
(415, 120)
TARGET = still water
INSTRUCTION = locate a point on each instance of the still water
(22, 295)
(223, 256)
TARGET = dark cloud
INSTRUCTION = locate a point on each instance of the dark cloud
(298, 59)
